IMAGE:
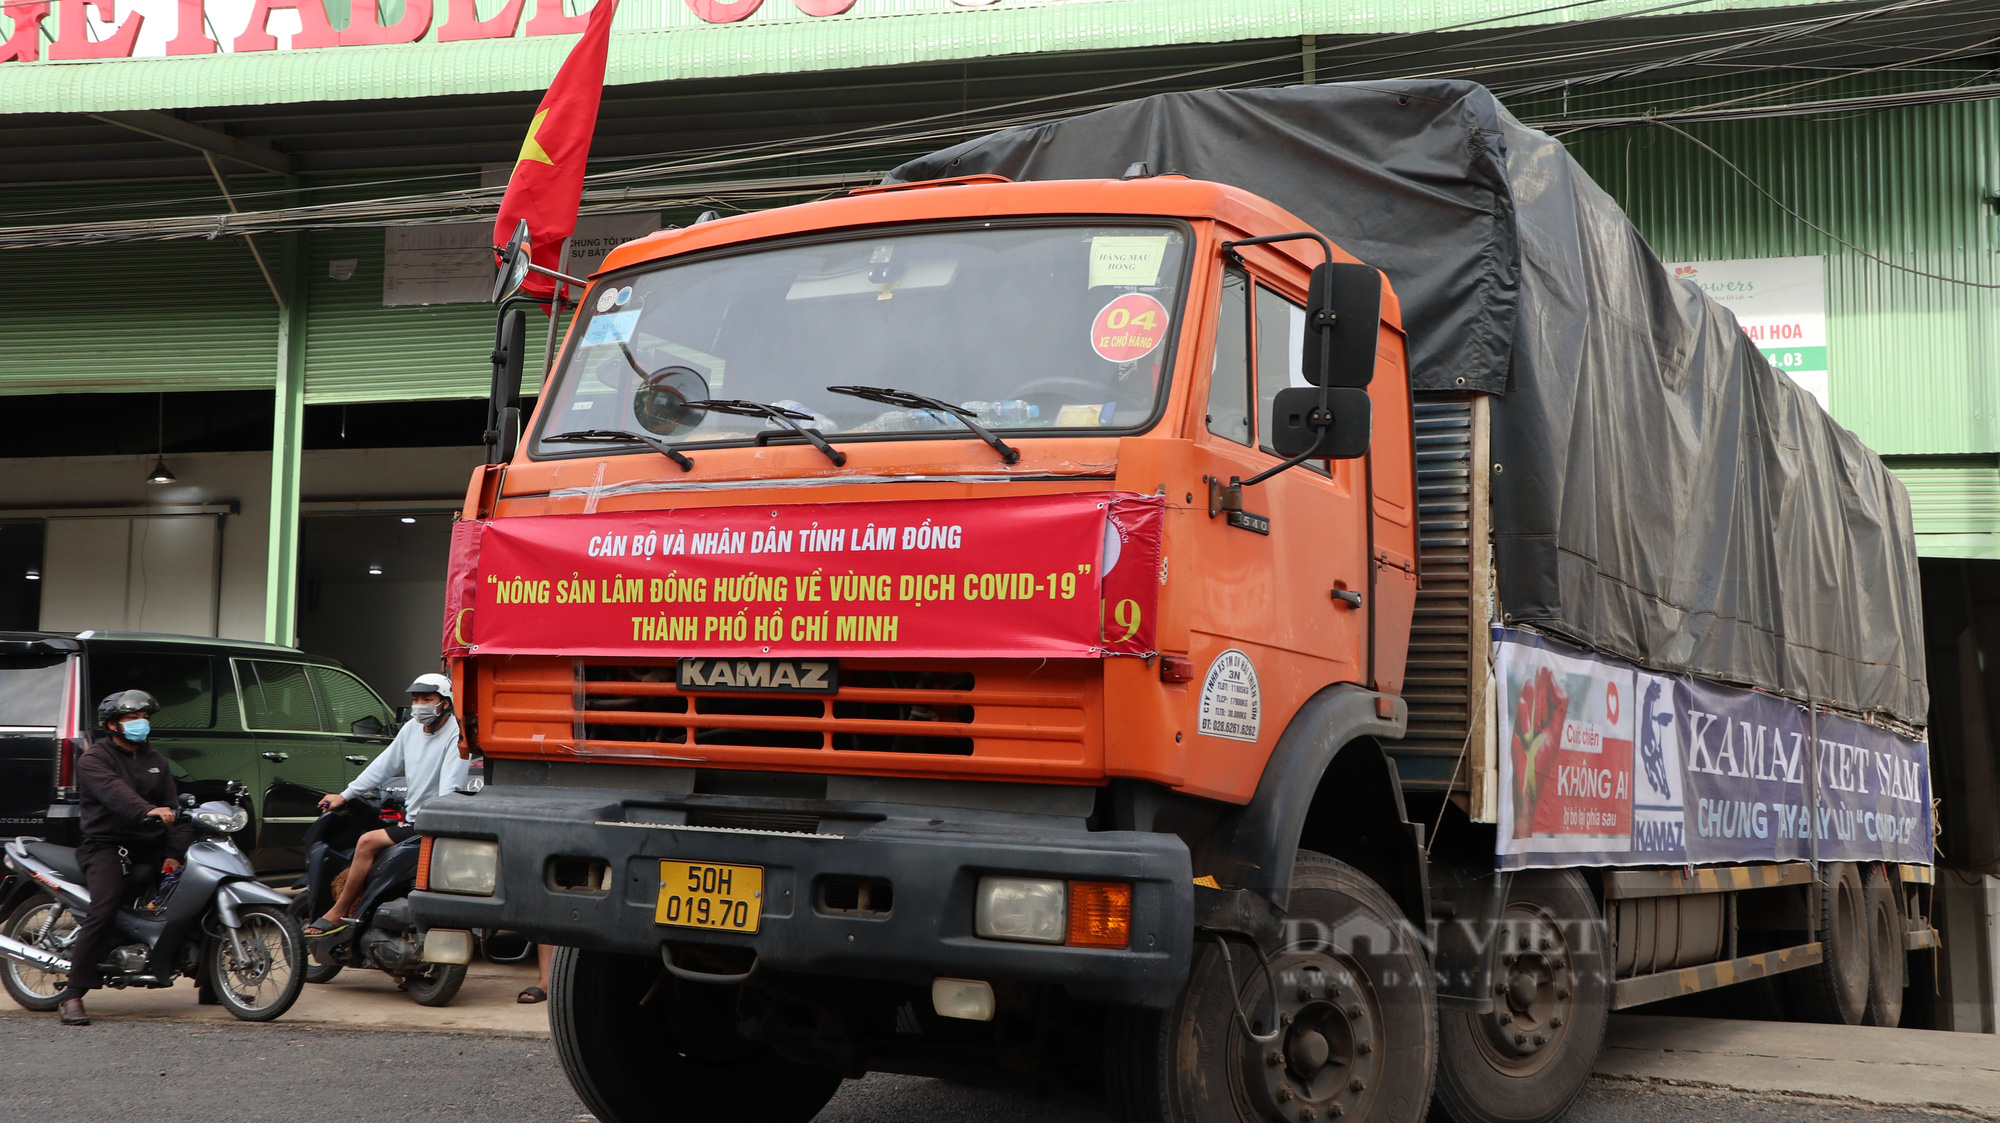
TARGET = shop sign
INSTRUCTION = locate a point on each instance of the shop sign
(1781, 303)
(88, 30)
(452, 263)
(1604, 763)
(1058, 576)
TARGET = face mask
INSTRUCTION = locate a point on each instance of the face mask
(137, 729)
(424, 715)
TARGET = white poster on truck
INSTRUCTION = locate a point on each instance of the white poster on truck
(1781, 303)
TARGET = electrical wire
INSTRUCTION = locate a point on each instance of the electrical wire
(663, 183)
(1810, 224)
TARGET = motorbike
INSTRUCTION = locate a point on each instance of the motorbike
(216, 924)
(385, 934)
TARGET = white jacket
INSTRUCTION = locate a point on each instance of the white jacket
(429, 760)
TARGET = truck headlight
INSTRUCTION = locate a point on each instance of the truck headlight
(1028, 909)
(464, 865)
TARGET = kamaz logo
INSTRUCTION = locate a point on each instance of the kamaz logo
(802, 676)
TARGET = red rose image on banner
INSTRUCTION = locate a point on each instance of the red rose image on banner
(1538, 726)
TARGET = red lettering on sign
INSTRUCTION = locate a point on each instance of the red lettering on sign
(723, 11)
(550, 20)
(364, 26)
(73, 39)
(25, 43)
(191, 37)
(314, 30)
(462, 22)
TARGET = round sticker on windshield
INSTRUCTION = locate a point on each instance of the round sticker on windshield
(607, 300)
(1129, 328)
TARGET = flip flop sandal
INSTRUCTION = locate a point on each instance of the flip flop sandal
(532, 995)
(324, 927)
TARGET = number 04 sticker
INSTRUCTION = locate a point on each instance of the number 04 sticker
(1129, 328)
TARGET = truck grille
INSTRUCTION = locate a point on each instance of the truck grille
(989, 711)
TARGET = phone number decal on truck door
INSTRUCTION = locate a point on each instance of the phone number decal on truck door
(1033, 577)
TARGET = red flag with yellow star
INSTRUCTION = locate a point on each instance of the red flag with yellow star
(546, 186)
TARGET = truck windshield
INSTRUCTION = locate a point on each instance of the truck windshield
(1034, 329)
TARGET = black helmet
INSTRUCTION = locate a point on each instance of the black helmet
(125, 703)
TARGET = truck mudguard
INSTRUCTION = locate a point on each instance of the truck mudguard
(1329, 787)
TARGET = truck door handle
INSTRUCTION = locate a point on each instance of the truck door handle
(278, 757)
(1352, 598)
(356, 759)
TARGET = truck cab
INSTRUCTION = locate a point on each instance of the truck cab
(914, 634)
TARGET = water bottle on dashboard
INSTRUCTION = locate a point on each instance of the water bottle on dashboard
(1010, 412)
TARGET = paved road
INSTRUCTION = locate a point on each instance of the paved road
(252, 1074)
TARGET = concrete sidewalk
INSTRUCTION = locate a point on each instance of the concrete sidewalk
(1891, 1067)
(355, 999)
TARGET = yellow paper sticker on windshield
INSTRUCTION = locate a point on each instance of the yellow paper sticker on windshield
(1129, 259)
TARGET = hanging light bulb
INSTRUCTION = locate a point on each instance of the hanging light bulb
(160, 474)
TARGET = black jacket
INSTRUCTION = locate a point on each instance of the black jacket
(116, 788)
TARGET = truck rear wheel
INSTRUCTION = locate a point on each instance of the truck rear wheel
(1888, 963)
(1836, 989)
(1527, 1059)
(1356, 1038)
(640, 1048)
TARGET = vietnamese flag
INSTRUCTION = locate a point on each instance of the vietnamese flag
(546, 186)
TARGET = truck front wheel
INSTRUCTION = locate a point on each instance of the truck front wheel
(1350, 1026)
(1526, 1059)
(642, 1048)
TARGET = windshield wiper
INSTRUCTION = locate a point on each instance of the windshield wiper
(908, 400)
(789, 418)
(605, 436)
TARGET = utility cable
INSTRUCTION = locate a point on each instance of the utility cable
(1810, 224)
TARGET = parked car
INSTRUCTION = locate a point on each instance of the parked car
(290, 726)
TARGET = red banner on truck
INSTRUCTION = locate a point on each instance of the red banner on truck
(1057, 576)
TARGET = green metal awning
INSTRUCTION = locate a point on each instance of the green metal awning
(661, 40)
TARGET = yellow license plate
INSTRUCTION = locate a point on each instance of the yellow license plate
(706, 895)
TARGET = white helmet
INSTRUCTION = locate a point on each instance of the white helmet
(431, 684)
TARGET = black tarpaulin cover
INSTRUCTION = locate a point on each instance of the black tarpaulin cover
(1660, 493)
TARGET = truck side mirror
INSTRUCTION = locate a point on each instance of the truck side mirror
(1345, 435)
(503, 402)
(1343, 319)
(515, 257)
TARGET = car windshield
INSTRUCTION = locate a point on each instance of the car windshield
(1034, 329)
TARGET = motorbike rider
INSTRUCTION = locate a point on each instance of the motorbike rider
(425, 751)
(125, 793)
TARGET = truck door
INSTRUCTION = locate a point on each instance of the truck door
(300, 761)
(1270, 576)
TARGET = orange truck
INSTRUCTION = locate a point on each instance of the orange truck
(972, 627)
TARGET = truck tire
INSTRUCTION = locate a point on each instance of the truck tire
(677, 1057)
(1835, 989)
(1888, 963)
(1359, 1041)
(1527, 1059)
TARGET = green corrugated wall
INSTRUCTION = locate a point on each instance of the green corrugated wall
(193, 315)
(359, 351)
(1915, 361)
